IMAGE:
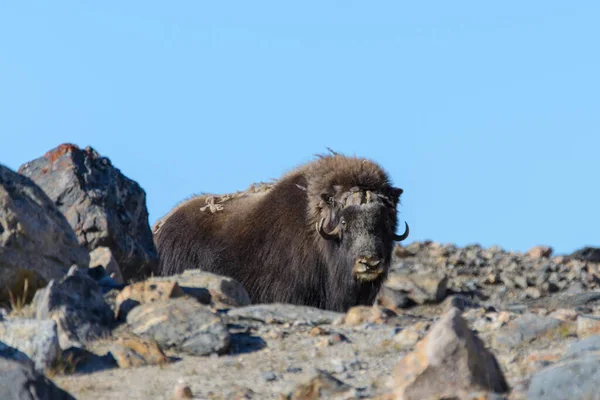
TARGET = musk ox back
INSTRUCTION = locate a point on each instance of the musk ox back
(322, 235)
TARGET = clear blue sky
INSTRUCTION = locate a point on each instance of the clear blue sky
(486, 113)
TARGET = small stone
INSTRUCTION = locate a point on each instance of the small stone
(492, 279)
(533, 292)
(359, 315)
(183, 324)
(588, 325)
(540, 252)
(38, 339)
(137, 352)
(507, 281)
(269, 376)
(332, 340)
(447, 362)
(564, 314)
(317, 331)
(521, 281)
(182, 391)
(282, 313)
(318, 384)
(337, 366)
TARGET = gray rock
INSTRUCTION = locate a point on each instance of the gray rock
(77, 305)
(38, 339)
(21, 382)
(36, 241)
(223, 289)
(421, 288)
(587, 345)
(269, 376)
(524, 328)
(181, 323)
(587, 254)
(286, 313)
(103, 206)
(573, 379)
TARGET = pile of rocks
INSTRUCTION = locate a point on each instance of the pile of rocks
(449, 323)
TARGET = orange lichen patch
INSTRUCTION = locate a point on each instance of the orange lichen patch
(58, 152)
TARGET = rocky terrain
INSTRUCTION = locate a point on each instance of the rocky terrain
(82, 315)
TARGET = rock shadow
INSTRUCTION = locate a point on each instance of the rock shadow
(244, 342)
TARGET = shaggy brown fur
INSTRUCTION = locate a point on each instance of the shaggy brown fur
(266, 236)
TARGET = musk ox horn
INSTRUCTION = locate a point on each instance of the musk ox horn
(400, 238)
(334, 234)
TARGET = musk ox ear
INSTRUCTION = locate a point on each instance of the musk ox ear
(395, 194)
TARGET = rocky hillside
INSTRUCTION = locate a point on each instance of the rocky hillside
(449, 323)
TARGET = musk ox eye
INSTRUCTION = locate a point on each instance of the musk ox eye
(343, 222)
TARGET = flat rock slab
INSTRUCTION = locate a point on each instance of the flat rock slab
(36, 241)
(286, 313)
(38, 339)
(220, 289)
(104, 207)
(182, 324)
(565, 300)
(21, 382)
(524, 328)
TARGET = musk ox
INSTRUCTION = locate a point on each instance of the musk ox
(322, 235)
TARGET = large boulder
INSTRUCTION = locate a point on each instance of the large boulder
(449, 362)
(103, 206)
(36, 241)
(182, 324)
(77, 306)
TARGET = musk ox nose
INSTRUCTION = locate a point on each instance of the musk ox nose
(367, 263)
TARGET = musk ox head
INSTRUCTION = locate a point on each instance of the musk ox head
(360, 228)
